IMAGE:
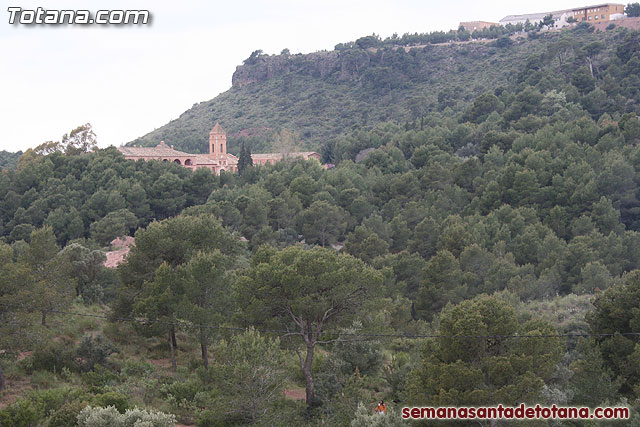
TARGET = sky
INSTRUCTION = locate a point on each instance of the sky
(129, 80)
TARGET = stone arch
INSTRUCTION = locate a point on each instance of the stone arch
(188, 162)
(177, 161)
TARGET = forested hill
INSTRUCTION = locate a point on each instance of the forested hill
(497, 212)
(9, 159)
(323, 95)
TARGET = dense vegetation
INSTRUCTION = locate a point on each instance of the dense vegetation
(324, 95)
(474, 213)
(8, 159)
(99, 195)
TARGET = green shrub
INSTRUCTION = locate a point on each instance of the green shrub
(112, 398)
(99, 417)
(121, 333)
(23, 413)
(364, 418)
(37, 405)
(108, 281)
(43, 379)
(135, 368)
(55, 356)
(99, 378)
(206, 376)
(181, 391)
(210, 419)
(49, 401)
(94, 351)
(194, 363)
(52, 357)
(66, 415)
(26, 364)
(214, 418)
(366, 356)
(110, 417)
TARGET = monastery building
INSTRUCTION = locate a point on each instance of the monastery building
(217, 160)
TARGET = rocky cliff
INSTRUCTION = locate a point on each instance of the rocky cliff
(343, 66)
(322, 95)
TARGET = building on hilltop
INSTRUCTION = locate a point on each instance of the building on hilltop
(472, 26)
(533, 18)
(560, 18)
(217, 160)
(601, 12)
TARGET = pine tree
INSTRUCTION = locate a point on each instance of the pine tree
(206, 297)
(279, 288)
(244, 159)
(50, 284)
(248, 159)
(328, 152)
(14, 323)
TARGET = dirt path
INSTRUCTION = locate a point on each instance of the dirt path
(295, 394)
(121, 247)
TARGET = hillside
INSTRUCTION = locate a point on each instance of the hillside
(9, 159)
(324, 95)
(491, 235)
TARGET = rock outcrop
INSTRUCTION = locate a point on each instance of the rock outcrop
(342, 65)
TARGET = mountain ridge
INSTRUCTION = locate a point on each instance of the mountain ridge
(324, 95)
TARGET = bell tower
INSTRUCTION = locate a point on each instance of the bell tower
(218, 144)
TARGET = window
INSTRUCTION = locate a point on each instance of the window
(596, 16)
(221, 148)
(602, 16)
(590, 18)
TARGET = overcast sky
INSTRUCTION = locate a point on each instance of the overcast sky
(129, 80)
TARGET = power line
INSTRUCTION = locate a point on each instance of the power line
(336, 333)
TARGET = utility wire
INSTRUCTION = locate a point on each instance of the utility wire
(337, 333)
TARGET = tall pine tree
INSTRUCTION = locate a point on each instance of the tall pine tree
(244, 160)
(249, 159)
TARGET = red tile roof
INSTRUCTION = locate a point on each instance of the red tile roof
(163, 150)
(160, 150)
